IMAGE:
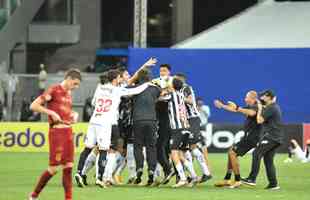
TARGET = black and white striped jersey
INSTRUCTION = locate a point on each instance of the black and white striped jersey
(177, 111)
(192, 110)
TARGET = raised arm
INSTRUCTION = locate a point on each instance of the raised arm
(232, 107)
(133, 91)
(150, 62)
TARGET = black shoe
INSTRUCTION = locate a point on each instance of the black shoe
(205, 178)
(189, 179)
(138, 179)
(84, 177)
(79, 180)
(272, 187)
(150, 180)
(130, 181)
(248, 181)
(167, 177)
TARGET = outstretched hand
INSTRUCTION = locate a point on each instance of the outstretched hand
(151, 62)
(218, 103)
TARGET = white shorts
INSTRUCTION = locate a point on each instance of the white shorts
(100, 135)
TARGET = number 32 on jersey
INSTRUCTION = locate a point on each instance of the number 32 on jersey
(103, 105)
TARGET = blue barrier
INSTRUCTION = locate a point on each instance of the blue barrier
(229, 73)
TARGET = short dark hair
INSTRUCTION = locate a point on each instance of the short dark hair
(177, 84)
(112, 74)
(269, 93)
(182, 75)
(165, 66)
(144, 76)
(73, 73)
(121, 70)
(103, 78)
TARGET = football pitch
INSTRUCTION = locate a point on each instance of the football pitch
(19, 172)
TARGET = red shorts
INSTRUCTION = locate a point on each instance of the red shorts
(61, 146)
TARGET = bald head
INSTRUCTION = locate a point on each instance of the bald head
(251, 97)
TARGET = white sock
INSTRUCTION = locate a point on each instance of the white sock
(109, 166)
(89, 163)
(118, 159)
(201, 160)
(120, 167)
(189, 166)
(131, 163)
(97, 168)
(188, 156)
(180, 170)
(157, 171)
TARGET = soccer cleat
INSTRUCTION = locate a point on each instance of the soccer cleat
(137, 181)
(248, 181)
(272, 187)
(236, 184)
(181, 183)
(224, 183)
(167, 177)
(84, 178)
(156, 182)
(193, 182)
(130, 181)
(101, 183)
(32, 198)
(205, 178)
(118, 180)
(79, 180)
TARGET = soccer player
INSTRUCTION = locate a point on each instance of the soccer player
(178, 125)
(249, 141)
(295, 149)
(107, 99)
(60, 117)
(194, 121)
(163, 149)
(145, 128)
(270, 118)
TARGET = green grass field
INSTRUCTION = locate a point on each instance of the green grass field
(19, 172)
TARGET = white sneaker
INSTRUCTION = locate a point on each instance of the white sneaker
(180, 184)
(101, 184)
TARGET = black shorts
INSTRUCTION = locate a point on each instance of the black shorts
(145, 133)
(179, 139)
(115, 136)
(195, 130)
(243, 146)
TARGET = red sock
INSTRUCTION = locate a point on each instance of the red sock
(45, 177)
(67, 182)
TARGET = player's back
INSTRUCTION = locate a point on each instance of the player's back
(106, 102)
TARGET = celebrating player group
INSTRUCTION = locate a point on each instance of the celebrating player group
(139, 118)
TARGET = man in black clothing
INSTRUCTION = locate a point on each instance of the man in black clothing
(249, 141)
(270, 117)
(164, 131)
(145, 127)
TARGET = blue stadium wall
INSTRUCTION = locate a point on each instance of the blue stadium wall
(229, 73)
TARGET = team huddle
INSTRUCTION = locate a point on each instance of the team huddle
(139, 118)
(133, 113)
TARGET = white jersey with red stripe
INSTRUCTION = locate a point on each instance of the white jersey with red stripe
(106, 101)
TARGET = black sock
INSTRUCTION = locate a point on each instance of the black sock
(290, 154)
(237, 177)
(101, 161)
(307, 151)
(227, 176)
(82, 159)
